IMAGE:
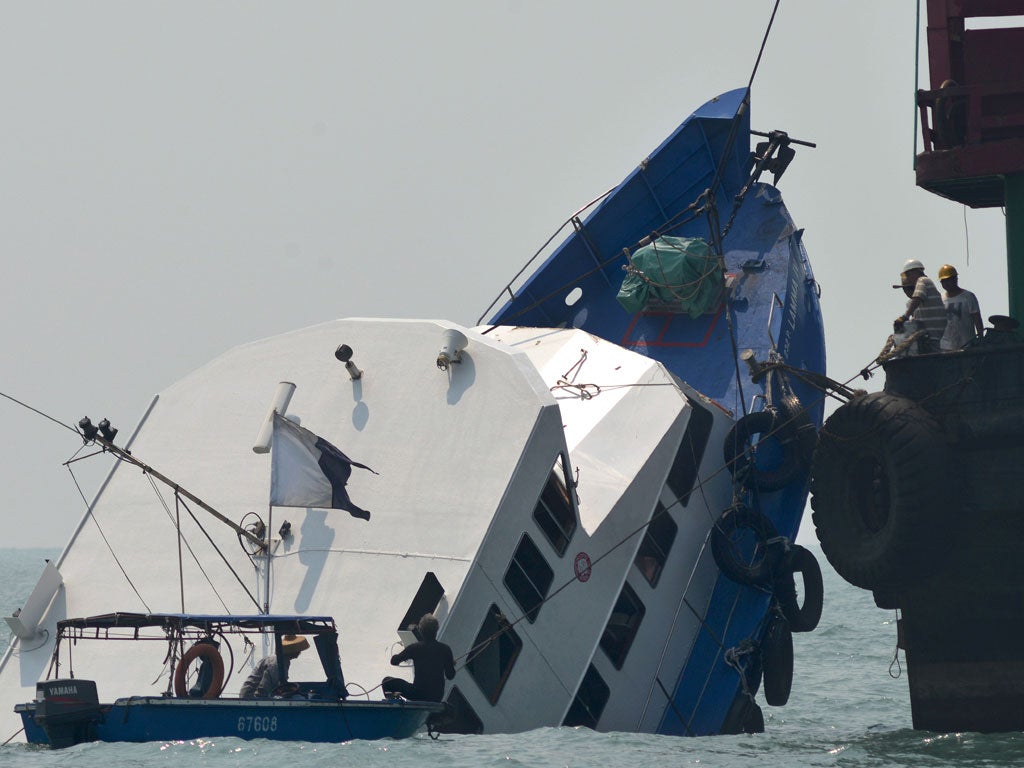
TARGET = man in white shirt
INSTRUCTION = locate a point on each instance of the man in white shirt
(963, 315)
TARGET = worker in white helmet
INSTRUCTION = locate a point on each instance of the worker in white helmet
(925, 306)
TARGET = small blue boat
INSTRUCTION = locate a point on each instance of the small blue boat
(67, 710)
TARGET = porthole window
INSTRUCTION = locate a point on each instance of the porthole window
(554, 513)
(494, 653)
(528, 577)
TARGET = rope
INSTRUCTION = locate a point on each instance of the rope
(631, 269)
(731, 141)
(896, 656)
(11, 737)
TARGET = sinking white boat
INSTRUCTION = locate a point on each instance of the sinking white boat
(550, 485)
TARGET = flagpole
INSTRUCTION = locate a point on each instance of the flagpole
(266, 587)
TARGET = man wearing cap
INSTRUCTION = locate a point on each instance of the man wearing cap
(268, 674)
(963, 315)
(925, 306)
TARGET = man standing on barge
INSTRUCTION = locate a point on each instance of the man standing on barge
(963, 315)
(925, 305)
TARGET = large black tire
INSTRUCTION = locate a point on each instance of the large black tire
(801, 617)
(777, 658)
(740, 450)
(794, 418)
(738, 545)
(880, 500)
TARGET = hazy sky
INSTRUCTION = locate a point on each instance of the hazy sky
(182, 177)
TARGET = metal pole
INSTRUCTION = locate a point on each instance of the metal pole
(125, 456)
(270, 528)
(1014, 192)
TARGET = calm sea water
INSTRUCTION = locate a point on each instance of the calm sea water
(846, 710)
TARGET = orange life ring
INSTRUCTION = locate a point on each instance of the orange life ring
(197, 651)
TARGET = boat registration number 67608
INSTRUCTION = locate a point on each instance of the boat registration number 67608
(257, 724)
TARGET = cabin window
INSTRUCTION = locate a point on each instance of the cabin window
(528, 577)
(493, 654)
(653, 552)
(622, 626)
(683, 473)
(462, 718)
(589, 702)
(554, 512)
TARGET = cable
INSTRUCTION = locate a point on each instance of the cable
(96, 522)
(44, 415)
(967, 238)
(188, 546)
(255, 602)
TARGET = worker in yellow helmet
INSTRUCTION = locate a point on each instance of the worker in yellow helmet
(963, 315)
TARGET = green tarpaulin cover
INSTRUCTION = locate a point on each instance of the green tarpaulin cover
(674, 274)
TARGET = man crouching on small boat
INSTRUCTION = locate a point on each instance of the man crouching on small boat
(432, 661)
(266, 677)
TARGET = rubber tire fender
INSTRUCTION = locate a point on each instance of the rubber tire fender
(200, 651)
(801, 618)
(777, 659)
(738, 452)
(881, 510)
(730, 561)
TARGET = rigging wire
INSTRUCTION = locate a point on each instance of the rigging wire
(238, 578)
(188, 546)
(44, 415)
(96, 522)
(567, 222)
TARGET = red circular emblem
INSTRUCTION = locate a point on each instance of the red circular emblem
(582, 566)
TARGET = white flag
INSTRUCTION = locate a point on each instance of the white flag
(307, 471)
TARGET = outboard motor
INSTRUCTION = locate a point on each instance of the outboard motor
(68, 711)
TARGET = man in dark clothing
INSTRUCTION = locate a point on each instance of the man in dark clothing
(432, 661)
